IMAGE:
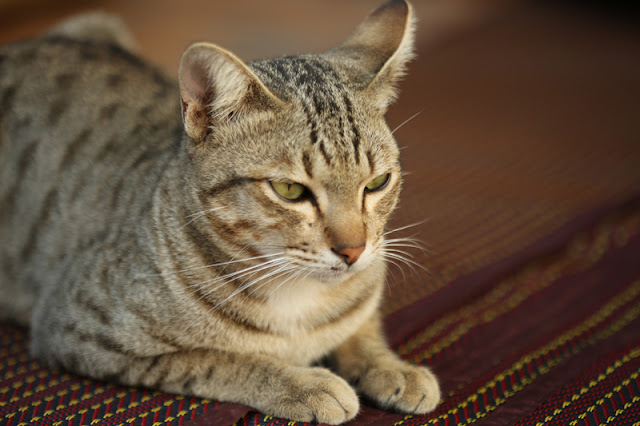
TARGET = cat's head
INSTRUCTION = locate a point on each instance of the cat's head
(292, 156)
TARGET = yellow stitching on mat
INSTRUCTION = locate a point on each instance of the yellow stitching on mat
(39, 388)
(63, 392)
(606, 311)
(593, 383)
(624, 382)
(580, 255)
(192, 407)
(106, 402)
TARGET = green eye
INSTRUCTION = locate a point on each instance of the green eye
(378, 183)
(288, 190)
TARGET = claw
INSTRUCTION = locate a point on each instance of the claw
(424, 396)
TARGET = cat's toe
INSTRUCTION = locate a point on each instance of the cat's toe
(422, 392)
(384, 385)
(405, 388)
(321, 397)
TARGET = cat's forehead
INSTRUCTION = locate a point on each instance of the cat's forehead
(334, 132)
(300, 77)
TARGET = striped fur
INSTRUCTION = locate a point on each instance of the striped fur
(150, 251)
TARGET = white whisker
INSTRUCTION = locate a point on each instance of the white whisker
(294, 275)
(406, 261)
(281, 273)
(283, 267)
(213, 265)
(280, 264)
(203, 212)
(237, 254)
(406, 121)
(411, 225)
(242, 272)
(398, 252)
(197, 215)
(404, 278)
(272, 276)
(409, 243)
(224, 279)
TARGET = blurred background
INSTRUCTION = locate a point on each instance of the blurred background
(528, 112)
(254, 28)
(251, 28)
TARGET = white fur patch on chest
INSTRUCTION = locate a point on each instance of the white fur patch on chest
(295, 304)
(302, 306)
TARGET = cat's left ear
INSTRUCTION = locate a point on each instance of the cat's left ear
(375, 55)
(216, 86)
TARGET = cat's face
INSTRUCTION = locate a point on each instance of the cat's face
(319, 202)
(295, 166)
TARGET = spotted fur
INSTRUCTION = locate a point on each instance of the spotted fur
(143, 242)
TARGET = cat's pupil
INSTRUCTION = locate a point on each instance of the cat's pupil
(378, 183)
(289, 190)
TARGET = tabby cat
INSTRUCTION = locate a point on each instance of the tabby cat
(221, 252)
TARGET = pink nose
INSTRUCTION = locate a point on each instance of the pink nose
(350, 254)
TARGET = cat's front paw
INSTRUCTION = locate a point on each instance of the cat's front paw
(403, 387)
(317, 395)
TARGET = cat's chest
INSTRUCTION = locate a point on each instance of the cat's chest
(307, 321)
(295, 307)
(309, 305)
(300, 323)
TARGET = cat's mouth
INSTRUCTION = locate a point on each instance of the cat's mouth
(325, 268)
(334, 275)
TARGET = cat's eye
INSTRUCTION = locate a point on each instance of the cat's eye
(378, 183)
(288, 190)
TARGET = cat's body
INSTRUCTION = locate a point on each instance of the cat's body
(153, 251)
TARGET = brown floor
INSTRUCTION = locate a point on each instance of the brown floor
(250, 28)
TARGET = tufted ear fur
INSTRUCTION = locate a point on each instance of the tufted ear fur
(216, 86)
(376, 53)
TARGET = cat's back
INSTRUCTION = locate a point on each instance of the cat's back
(73, 111)
(80, 122)
(58, 83)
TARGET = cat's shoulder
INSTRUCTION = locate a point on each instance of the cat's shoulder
(98, 27)
(87, 59)
(94, 43)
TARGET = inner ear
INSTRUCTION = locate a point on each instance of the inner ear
(194, 82)
(194, 100)
(216, 86)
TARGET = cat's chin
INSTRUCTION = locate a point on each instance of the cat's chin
(334, 276)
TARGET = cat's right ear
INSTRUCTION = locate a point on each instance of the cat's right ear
(375, 55)
(216, 86)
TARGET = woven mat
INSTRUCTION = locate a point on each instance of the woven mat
(524, 162)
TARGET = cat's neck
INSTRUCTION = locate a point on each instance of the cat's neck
(307, 304)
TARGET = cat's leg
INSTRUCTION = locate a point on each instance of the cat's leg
(82, 334)
(271, 386)
(96, 26)
(282, 390)
(367, 361)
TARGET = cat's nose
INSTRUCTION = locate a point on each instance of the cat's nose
(350, 254)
